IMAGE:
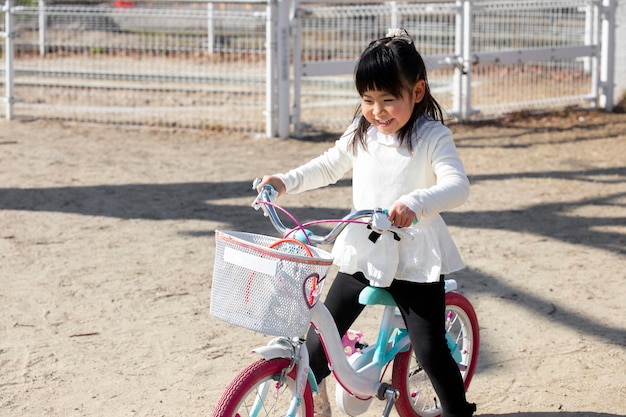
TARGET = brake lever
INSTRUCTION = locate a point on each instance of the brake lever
(272, 194)
(380, 223)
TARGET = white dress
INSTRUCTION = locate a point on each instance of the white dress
(429, 180)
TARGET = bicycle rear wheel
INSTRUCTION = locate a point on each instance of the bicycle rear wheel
(255, 392)
(417, 395)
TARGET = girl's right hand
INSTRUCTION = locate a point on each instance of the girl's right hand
(401, 215)
(274, 181)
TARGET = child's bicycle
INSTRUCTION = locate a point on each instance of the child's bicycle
(272, 285)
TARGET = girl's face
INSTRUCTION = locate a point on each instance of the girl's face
(388, 112)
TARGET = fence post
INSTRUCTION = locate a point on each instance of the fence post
(270, 68)
(297, 70)
(592, 19)
(8, 53)
(457, 80)
(210, 27)
(393, 12)
(589, 35)
(607, 69)
(283, 62)
(466, 110)
(42, 27)
(619, 93)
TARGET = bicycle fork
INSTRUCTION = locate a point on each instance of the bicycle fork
(295, 350)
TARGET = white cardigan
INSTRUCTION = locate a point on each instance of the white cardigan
(429, 180)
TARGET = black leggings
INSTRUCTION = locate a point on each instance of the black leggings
(423, 307)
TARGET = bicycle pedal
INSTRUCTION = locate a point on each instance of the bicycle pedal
(351, 342)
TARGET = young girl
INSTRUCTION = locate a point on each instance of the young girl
(402, 158)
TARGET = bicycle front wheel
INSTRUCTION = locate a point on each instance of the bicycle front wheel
(257, 392)
(417, 395)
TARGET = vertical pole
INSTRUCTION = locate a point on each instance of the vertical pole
(297, 71)
(284, 57)
(457, 80)
(8, 52)
(607, 65)
(393, 9)
(270, 69)
(589, 34)
(42, 27)
(467, 59)
(596, 28)
(210, 27)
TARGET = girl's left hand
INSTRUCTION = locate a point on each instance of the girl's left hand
(401, 215)
(274, 181)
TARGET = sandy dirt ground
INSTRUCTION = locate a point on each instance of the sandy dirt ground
(107, 246)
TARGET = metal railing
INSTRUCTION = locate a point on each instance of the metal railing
(484, 58)
(183, 64)
(285, 67)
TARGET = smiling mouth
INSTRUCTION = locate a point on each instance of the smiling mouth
(384, 122)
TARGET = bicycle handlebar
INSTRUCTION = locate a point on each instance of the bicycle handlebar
(377, 219)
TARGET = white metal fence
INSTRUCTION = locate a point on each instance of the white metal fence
(183, 64)
(485, 58)
(285, 67)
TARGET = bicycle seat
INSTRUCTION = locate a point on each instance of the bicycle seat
(379, 296)
(375, 295)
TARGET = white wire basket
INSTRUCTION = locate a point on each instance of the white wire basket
(266, 284)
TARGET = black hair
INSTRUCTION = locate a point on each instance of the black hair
(394, 65)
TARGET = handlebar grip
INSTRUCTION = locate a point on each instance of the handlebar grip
(414, 220)
(271, 191)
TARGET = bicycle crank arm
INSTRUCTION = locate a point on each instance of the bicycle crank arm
(389, 393)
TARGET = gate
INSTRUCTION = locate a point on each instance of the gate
(284, 67)
(484, 58)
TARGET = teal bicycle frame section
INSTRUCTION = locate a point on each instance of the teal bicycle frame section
(388, 344)
(454, 348)
(383, 354)
(392, 337)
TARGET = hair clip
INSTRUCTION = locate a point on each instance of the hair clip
(397, 32)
